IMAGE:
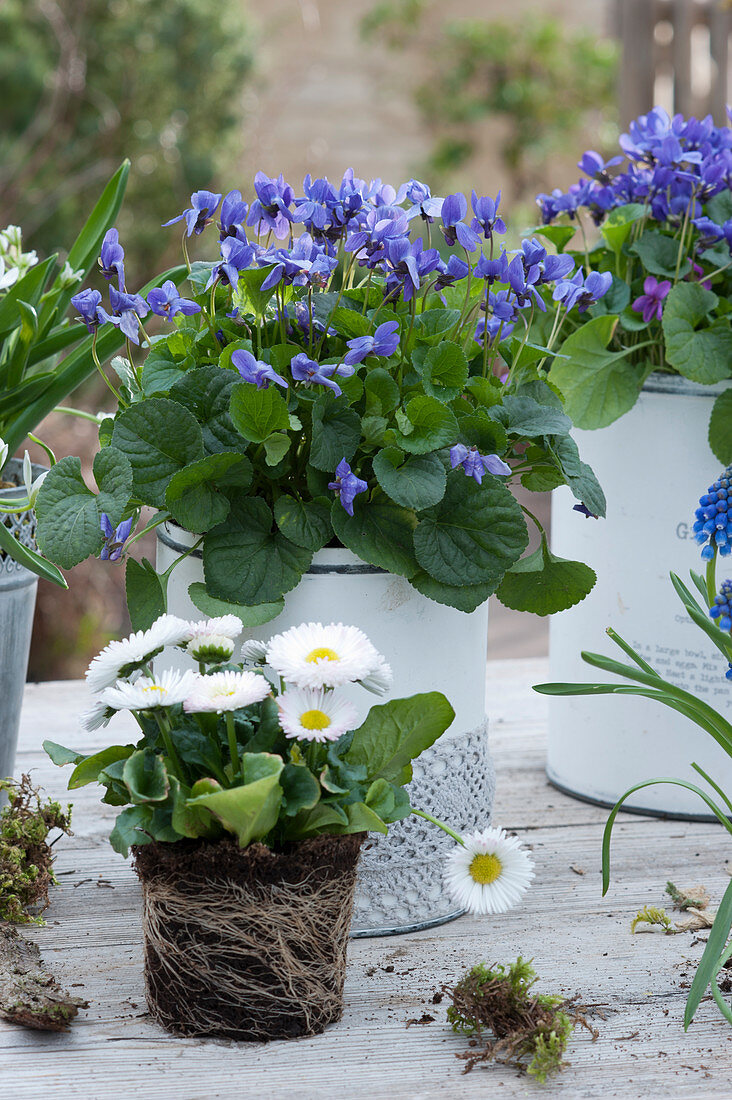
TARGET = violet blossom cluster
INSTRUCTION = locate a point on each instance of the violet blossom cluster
(671, 166)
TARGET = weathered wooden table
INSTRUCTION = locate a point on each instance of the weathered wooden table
(581, 943)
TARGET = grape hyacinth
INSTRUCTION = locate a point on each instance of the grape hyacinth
(721, 612)
(713, 526)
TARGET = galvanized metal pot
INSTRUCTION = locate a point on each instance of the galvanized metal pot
(18, 589)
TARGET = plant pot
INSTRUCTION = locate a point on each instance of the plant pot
(654, 464)
(430, 648)
(247, 943)
(18, 587)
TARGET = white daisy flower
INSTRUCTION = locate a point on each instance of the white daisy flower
(210, 648)
(312, 715)
(313, 655)
(230, 626)
(379, 679)
(254, 651)
(146, 693)
(120, 658)
(490, 873)
(98, 715)
(222, 691)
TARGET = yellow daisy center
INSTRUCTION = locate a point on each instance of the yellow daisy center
(485, 868)
(322, 653)
(155, 689)
(314, 720)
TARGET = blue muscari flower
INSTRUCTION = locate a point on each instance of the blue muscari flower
(112, 258)
(384, 341)
(271, 208)
(254, 370)
(199, 214)
(454, 229)
(347, 485)
(126, 309)
(424, 203)
(474, 464)
(486, 215)
(87, 302)
(721, 609)
(167, 302)
(306, 370)
(114, 537)
(233, 215)
(713, 525)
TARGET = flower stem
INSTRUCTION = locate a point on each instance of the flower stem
(164, 727)
(233, 747)
(711, 579)
(95, 357)
(440, 824)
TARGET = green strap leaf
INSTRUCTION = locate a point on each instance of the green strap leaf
(28, 558)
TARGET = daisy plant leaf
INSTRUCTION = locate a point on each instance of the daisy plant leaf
(251, 810)
(396, 732)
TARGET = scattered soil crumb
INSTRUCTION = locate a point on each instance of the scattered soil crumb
(437, 999)
(425, 1018)
(577, 870)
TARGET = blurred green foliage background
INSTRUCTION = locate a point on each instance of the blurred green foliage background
(84, 83)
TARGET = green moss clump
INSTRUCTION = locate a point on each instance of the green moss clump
(506, 1023)
(26, 859)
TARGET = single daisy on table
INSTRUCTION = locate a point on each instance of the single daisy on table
(315, 715)
(120, 658)
(489, 872)
(316, 656)
(224, 691)
(148, 692)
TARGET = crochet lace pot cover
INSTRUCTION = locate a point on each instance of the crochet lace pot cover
(430, 647)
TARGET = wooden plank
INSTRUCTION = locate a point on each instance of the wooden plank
(681, 54)
(719, 30)
(580, 941)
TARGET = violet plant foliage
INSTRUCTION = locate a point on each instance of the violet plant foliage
(354, 365)
(661, 216)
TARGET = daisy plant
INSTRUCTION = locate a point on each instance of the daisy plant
(271, 749)
(656, 222)
(352, 366)
(713, 615)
